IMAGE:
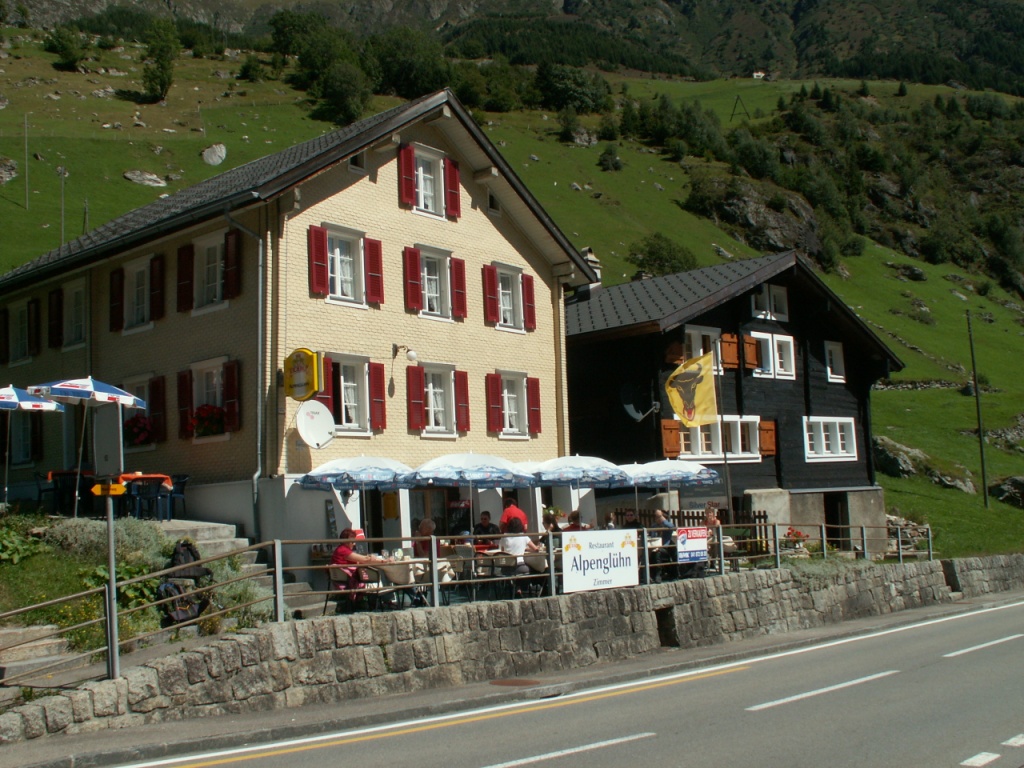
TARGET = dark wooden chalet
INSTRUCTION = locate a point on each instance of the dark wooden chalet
(795, 376)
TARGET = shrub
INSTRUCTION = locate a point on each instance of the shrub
(136, 542)
(610, 160)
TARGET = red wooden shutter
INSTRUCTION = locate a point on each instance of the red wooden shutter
(730, 351)
(671, 442)
(415, 389)
(55, 319)
(407, 175)
(452, 189)
(495, 406)
(751, 352)
(378, 401)
(232, 264)
(316, 248)
(492, 308)
(34, 307)
(186, 268)
(117, 299)
(232, 396)
(529, 307)
(5, 336)
(36, 436)
(461, 401)
(766, 438)
(413, 279)
(326, 393)
(158, 408)
(156, 287)
(458, 280)
(373, 267)
(533, 405)
(185, 430)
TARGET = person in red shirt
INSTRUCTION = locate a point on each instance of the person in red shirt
(511, 510)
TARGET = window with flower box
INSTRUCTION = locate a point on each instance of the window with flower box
(429, 181)
(144, 428)
(209, 399)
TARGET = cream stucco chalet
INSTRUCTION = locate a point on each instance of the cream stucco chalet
(406, 230)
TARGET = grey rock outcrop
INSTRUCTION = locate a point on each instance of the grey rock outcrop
(215, 154)
(145, 178)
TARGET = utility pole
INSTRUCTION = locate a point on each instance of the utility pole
(26, 161)
(977, 402)
(63, 173)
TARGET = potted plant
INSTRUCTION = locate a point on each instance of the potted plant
(208, 420)
(138, 430)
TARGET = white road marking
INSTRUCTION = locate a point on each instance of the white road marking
(979, 647)
(982, 758)
(571, 751)
(1016, 741)
(820, 691)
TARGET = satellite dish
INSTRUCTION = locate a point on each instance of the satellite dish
(315, 423)
(629, 396)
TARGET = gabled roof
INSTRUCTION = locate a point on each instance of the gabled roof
(266, 178)
(660, 304)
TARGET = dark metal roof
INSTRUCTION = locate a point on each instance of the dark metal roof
(261, 180)
(659, 304)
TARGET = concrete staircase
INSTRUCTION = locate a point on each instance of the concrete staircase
(27, 648)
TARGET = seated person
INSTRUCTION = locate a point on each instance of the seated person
(548, 524)
(516, 542)
(485, 528)
(421, 547)
(574, 522)
(348, 560)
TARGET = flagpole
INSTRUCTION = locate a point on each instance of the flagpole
(721, 428)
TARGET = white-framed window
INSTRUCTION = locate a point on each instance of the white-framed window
(514, 405)
(138, 386)
(434, 269)
(771, 302)
(345, 265)
(21, 438)
(736, 434)
(699, 340)
(439, 400)
(136, 293)
(19, 332)
(208, 382)
(835, 366)
(350, 388)
(209, 271)
(74, 313)
(429, 181)
(776, 355)
(510, 299)
(829, 439)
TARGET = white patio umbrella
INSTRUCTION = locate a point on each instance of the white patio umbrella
(581, 472)
(15, 399)
(475, 470)
(86, 392)
(360, 472)
(674, 472)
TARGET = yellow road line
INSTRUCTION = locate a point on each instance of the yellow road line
(541, 707)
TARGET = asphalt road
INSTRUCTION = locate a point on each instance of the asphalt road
(944, 690)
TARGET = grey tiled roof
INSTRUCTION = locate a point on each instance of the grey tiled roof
(670, 299)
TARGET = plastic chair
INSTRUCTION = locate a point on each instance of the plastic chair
(44, 489)
(146, 494)
(177, 492)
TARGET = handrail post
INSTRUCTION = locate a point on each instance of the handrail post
(864, 541)
(435, 586)
(646, 555)
(721, 551)
(278, 582)
(778, 554)
(899, 543)
(552, 582)
(931, 552)
(824, 542)
(113, 642)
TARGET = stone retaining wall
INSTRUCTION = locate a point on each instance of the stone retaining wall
(340, 658)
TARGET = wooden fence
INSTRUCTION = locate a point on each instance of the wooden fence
(750, 530)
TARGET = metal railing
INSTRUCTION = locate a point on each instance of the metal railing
(449, 570)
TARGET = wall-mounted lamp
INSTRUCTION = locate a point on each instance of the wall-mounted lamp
(410, 354)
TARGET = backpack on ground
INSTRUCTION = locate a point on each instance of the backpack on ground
(185, 552)
(179, 606)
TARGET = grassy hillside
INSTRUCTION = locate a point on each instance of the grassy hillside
(924, 322)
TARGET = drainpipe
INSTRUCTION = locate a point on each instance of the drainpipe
(261, 352)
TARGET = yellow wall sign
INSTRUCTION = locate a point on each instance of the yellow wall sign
(302, 374)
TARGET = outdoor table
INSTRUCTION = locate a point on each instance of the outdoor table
(131, 477)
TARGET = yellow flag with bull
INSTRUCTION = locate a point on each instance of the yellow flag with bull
(691, 391)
